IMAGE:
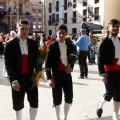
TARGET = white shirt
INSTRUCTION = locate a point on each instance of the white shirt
(116, 43)
(63, 51)
(23, 46)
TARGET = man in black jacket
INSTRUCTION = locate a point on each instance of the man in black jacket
(58, 60)
(109, 68)
(20, 60)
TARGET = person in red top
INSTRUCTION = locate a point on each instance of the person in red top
(3, 37)
(49, 40)
(109, 68)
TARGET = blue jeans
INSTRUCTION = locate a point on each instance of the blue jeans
(91, 55)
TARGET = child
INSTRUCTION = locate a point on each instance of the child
(60, 78)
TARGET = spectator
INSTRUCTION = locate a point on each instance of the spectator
(49, 40)
(82, 45)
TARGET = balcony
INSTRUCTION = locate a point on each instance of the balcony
(96, 16)
(64, 21)
(65, 7)
(50, 10)
(49, 22)
(74, 5)
(73, 19)
(84, 18)
(57, 9)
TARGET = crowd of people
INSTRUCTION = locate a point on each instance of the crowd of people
(21, 51)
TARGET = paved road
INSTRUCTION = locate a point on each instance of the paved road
(87, 92)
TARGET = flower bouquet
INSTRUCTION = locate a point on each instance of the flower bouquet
(72, 58)
(39, 73)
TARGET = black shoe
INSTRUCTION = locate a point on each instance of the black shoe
(86, 76)
(81, 77)
(99, 112)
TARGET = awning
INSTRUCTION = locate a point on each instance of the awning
(95, 28)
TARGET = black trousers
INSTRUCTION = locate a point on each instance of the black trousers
(63, 82)
(112, 86)
(18, 96)
(82, 57)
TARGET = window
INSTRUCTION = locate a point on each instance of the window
(96, 15)
(84, 14)
(74, 17)
(74, 5)
(33, 10)
(96, 1)
(34, 19)
(50, 32)
(39, 19)
(74, 1)
(57, 6)
(74, 30)
(39, 10)
(57, 18)
(20, 9)
(65, 18)
(84, 3)
(50, 18)
(50, 7)
(65, 5)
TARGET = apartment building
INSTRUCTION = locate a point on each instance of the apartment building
(32, 10)
(74, 12)
(37, 12)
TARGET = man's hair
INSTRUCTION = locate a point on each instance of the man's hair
(43, 35)
(62, 27)
(113, 21)
(24, 22)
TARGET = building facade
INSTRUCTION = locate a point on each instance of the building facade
(37, 11)
(74, 12)
(21, 9)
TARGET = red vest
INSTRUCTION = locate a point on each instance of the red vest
(61, 66)
(114, 67)
(25, 68)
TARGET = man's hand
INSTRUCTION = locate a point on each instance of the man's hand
(16, 86)
(104, 78)
(68, 70)
(52, 83)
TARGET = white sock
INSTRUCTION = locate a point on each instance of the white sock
(57, 109)
(116, 106)
(18, 115)
(33, 113)
(101, 103)
(66, 110)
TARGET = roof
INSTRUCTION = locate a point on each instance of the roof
(92, 26)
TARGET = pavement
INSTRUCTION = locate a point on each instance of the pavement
(87, 92)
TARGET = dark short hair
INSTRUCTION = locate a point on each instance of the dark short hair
(24, 22)
(113, 21)
(62, 27)
(43, 34)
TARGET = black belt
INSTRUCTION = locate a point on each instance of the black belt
(83, 50)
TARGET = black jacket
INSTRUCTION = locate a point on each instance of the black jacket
(53, 57)
(13, 57)
(106, 54)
